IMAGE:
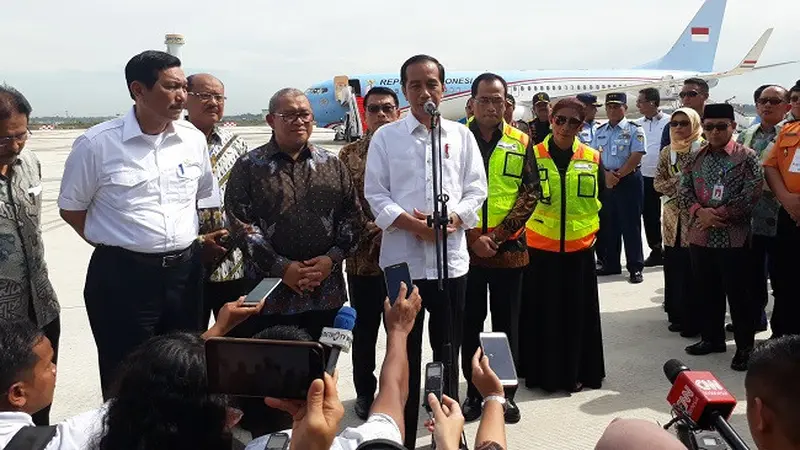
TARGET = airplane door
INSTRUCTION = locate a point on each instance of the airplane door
(356, 85)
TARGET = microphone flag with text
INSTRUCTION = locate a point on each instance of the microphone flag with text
(340, 337)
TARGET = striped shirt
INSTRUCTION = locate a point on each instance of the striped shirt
(224, 148)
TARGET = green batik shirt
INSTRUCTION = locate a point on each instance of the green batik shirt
(765, 213)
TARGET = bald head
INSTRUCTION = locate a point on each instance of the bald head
(206, 101)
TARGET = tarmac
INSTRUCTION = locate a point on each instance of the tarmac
(635, 336)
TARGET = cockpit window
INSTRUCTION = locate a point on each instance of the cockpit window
(319, 90)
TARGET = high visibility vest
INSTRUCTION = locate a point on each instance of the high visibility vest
(566, 217)
(504, 175)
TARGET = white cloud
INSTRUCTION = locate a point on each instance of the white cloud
(71, 55)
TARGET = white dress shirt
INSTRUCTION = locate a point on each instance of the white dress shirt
(377, 426)
(141, 192)
(74, 433)
(653, 128)
(399, 178)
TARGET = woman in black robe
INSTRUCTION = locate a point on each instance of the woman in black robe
(560, 322)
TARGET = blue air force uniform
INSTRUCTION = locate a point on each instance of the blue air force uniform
(620, 217)
(589, 129)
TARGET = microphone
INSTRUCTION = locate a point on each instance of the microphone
(700, 396)
(340, 337)
(431, 108)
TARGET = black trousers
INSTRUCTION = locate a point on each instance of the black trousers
(435, 303)
(680, 291)
(216, 294)
(761, 264)
(53, 332)
(651, 214)
(721, 272)
(367, 294)
(620, 218)
(129, 300)
(505, 292)
(786, 311)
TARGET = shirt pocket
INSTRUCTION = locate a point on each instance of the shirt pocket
(129, 187)
(185, 182)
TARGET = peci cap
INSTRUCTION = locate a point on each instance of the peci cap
(617, 97)
(719, 111)
(588, 99)
(541, 97)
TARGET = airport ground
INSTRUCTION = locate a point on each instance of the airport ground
(635, 337)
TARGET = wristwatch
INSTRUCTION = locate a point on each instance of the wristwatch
(498, 398)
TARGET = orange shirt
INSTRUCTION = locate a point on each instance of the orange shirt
(784, 152)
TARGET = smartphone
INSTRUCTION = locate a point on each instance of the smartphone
(495, 346)
(262, 367)
(261, 291)
(434, 382)
(277, 441)
(394, 275)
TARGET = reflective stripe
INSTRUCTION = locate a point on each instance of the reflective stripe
(545, 229)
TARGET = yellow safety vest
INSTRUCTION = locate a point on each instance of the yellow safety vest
(566, 217)
(503, 177)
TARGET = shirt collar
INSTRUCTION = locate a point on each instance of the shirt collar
(621, 123)
(131, 128)
(655, 118)
(729, 147)
(412, 124)
(274, 151)
(19, 417)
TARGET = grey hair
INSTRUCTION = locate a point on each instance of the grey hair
(285, 92)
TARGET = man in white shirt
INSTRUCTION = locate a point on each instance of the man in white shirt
(27, 382)
(131, 188)
(398, 186)
(653, 124)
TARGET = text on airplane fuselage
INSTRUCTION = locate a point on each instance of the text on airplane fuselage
(395, 81)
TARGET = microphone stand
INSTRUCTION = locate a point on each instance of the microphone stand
(439, 221)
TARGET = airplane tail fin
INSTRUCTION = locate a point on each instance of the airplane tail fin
(751, 59)
(696, 48)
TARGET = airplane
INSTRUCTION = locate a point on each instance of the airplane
(692, 55)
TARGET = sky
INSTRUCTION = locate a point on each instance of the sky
(69, 56)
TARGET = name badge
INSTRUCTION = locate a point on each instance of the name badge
(795, 166)
(718, 192)
(582, 166)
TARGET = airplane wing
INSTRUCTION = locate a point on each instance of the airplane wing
(670, 86)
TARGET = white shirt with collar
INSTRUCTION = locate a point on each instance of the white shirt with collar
(141, 192)
(377, 426)
(653, 128)
(74, 433)
(399, 178)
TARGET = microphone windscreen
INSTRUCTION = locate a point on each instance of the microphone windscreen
(345, 318)
(672, 368)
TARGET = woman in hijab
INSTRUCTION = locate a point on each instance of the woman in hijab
(685, 134)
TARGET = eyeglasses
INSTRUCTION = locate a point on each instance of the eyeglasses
(771, 101)
(690, 94)
(304, 116)
(573, 122)
(679, 123)
(206, 96)
(496, 101)
(387, 108)
(6, 141)
(716, 126)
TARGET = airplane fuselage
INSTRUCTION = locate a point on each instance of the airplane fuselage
(522, 84)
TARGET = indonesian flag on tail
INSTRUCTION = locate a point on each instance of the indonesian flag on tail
(700, 34)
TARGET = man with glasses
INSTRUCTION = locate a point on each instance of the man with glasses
(25, 289)
(720, 189)
(772, 105)
(297, 210)
(225, 279)
(694, 94)
(131, 188)
(364, 275)
(621, 144)
(497, 249)
(794, 100)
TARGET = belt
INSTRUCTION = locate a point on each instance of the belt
(166, 260)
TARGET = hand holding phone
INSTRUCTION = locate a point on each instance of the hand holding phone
(434, 383)
(497, 350)
(395, 274)
(261, 291)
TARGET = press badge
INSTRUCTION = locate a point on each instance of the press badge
(717, 193)
(795, 166)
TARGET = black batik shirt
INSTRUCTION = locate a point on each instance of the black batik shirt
(300, 209)
(25, 289)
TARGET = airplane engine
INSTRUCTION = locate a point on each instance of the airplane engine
(712, 82)
(669, 91)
